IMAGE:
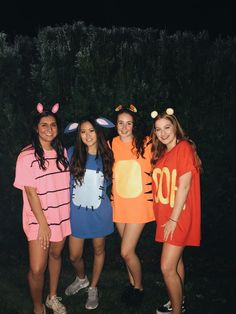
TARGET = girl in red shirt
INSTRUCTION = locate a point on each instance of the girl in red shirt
(176, 195)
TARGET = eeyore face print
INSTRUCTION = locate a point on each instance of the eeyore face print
(90, 193)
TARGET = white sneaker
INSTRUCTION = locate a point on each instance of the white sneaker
(55, 305)
(92, 301)
(77, 285)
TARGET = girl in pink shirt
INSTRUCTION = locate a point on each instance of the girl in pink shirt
(42, 173)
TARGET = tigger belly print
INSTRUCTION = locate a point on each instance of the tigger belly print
(128, 178)
(89, 195)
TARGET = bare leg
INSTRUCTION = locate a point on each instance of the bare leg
(37, 266)
(170, 259)
(130, 237)
(120, 228)
(54, 265)
(76, 246)
(180, 271)
(99, 257)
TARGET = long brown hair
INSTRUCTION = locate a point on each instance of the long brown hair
(158, 148)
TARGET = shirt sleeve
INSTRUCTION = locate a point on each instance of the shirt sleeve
(185, 158)
(24, 175)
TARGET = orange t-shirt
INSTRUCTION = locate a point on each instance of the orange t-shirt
(166, 174)
(132, 200)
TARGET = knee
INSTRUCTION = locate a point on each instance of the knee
(55, 254)
(37, 271)
(167, 270)
(99, 251)
(125, 254)
(75, 258)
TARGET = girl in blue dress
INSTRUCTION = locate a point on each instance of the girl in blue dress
(91, 162)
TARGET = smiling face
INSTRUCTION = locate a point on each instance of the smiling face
(125, 127)
(47, 131)
(165, 132)
(89, 137)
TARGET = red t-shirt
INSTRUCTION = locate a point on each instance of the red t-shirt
(169, 168)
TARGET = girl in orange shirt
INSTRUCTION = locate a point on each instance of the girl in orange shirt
(176, 195)
(132, 195)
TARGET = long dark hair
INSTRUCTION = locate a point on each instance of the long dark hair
(79, 157)
(56, 143)
(139, 131)
(158, 148)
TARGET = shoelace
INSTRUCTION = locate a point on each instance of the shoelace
(57, 303)
(92, 293)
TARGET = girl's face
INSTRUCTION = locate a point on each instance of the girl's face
(47, 131)
(89, 137)
(166, 133)
(125, 127)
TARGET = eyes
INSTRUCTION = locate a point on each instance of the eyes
(46, 125)
(85, 131)
(165, 128)
(122, 123)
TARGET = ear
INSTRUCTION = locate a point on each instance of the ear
(71, 127)
(55, 108)
(104, 122)
(39, 107)
(133, 108)
(118, 108)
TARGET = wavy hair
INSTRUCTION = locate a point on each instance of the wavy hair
(139, 132)
(80, 153)
(158, 148)
(56, 143)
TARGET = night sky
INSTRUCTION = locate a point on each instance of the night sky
(27, 17)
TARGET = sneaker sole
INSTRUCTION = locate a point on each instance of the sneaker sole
(90, 308)
(158, 312)
(76, 291)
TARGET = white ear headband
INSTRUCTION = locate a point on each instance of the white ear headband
(105, 123)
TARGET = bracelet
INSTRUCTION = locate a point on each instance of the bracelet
(173, 220)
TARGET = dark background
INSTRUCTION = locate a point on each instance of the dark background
(193, 72)
(27, 17)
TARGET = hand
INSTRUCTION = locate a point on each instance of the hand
(169, 228)
(44, 235)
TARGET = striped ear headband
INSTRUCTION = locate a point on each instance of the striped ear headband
(168, 111)
(131, 107)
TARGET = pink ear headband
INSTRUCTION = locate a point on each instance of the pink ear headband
(54, 108)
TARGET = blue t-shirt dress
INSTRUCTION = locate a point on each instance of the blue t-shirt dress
(90, 209)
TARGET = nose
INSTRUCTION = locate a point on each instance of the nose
(163, 132)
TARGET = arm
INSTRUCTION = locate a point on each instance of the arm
(181, 195)
(44, 233)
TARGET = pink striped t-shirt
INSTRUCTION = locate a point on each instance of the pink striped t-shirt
(52, 187)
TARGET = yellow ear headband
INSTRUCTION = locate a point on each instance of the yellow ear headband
(169, 111)
(131, 107)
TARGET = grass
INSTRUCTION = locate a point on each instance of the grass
(209, 277)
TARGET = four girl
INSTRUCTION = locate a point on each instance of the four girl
(42, 172)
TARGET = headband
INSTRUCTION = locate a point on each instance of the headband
(131, 107)
(54, 108)
(168, 111)
(103, 122)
